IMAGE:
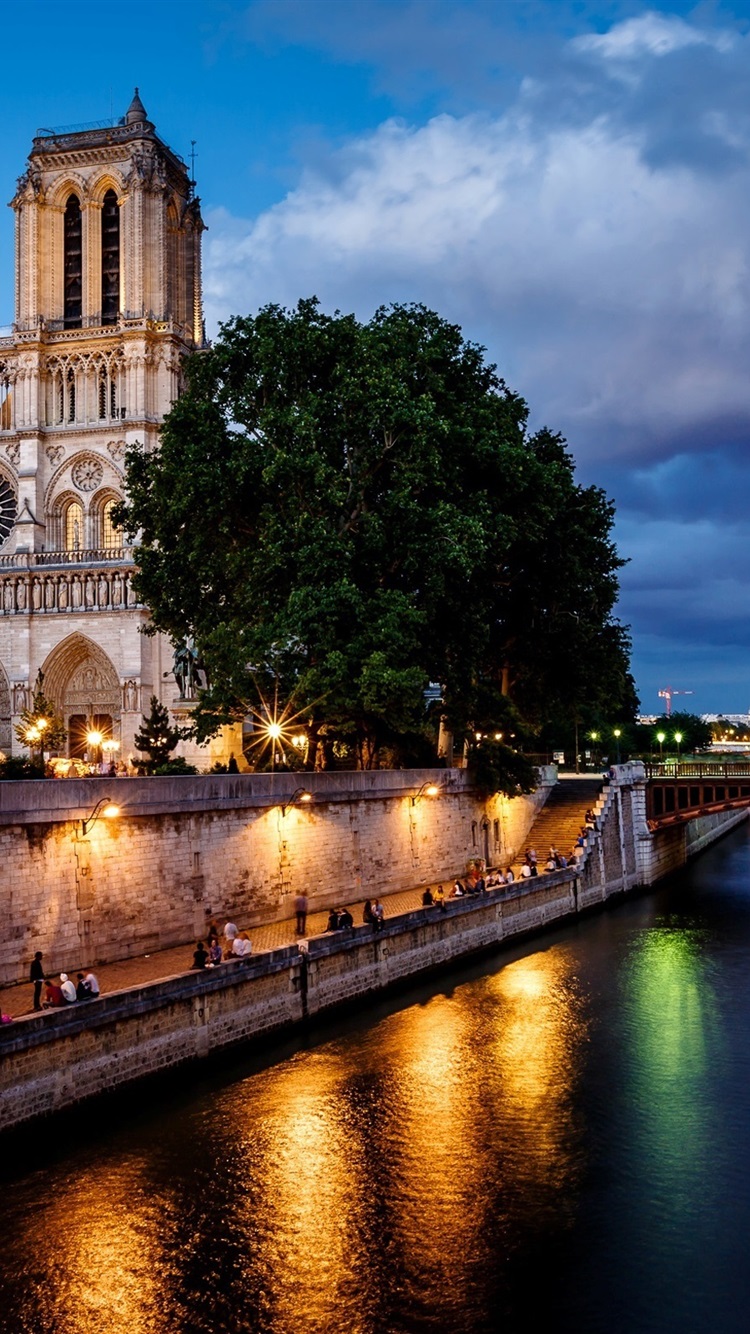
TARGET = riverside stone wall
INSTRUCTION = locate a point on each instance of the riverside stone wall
(52, 1061)
(184, 849)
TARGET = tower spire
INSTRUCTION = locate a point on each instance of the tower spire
(136, 111)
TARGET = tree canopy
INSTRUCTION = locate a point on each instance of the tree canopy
(343, 513)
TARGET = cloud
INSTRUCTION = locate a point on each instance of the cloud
(649, 34)
(615, 296)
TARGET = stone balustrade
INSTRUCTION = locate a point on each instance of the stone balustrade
(67, 581)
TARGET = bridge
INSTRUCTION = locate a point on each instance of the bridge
(677, 791)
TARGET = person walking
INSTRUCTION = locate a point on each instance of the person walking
(300, 908)
(36, 975)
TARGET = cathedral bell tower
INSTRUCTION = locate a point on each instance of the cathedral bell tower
(108, 304)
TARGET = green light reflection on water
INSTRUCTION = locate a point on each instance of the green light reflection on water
(670, 1020)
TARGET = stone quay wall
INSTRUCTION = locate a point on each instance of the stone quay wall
(55, 1060)
(232, 846)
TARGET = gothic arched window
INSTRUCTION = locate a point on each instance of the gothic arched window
(73, 264)
(111, 536)
(73, 538)
(110, 258)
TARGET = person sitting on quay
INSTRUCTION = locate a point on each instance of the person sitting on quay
(212, 934)
(53, 997)
(231, 933)
(345, 919)
(82, 991)
(378, 915)
(91, 983)
(550, 864)
(200, 957)
(242, 946)
(215, 956)
(440, 899)
(333, 920)
(427, 899)
(367, 916)
(458, 890)
(560, 860)
(509, 875)
(67, 989)
(590, 819)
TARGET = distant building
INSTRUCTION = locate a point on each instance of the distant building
(108, 305)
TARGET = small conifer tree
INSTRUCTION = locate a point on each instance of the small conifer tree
(41, 727)
(157, 738)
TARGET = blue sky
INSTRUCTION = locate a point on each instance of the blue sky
(568, 181)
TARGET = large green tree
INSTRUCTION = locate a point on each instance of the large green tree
(344, 512)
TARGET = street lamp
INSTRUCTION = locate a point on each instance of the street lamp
(299, 794)
(426, 790)
(661, 738)
(105, 807)
(617, 733)
(678, 739)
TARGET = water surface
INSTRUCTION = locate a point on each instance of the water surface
(556, 1138)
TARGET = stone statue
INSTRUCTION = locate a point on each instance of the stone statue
(186, 666)
(130, 695)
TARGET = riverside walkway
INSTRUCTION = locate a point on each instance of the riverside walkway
(557, 822)
(18, 1000)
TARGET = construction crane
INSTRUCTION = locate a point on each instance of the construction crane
(668, 692)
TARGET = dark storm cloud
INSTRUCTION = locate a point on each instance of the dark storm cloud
(591, 231)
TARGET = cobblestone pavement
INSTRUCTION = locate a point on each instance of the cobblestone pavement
(18, 1000)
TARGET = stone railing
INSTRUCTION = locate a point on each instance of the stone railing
(91, 556)
(86, 585)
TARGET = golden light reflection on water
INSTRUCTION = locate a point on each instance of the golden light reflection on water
(535, 1050)
(305, 1192)
(310, 1178)
(98, 1243)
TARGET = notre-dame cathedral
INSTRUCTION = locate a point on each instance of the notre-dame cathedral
(108, 303)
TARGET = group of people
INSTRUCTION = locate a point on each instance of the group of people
(64, 992)
(237, 945)
(339, 919)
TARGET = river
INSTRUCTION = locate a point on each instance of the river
(557, 1138)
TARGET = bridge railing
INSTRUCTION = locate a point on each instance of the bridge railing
(699, 769)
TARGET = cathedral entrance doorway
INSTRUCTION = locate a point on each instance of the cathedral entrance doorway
(84, 685)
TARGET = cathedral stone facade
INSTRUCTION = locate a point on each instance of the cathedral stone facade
(108, 304)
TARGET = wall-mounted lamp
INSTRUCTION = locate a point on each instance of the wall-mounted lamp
(105, 807)
(299, 794)
(426, 790)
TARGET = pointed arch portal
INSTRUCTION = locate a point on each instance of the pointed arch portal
(84, 685)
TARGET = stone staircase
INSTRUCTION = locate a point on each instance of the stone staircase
(559, 822)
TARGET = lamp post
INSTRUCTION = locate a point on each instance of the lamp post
(594, 738)
(617, 733)
(661, 737)
(678, 739)
(94, 740)
(426, 790)
(105, 807)
(299, 794)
